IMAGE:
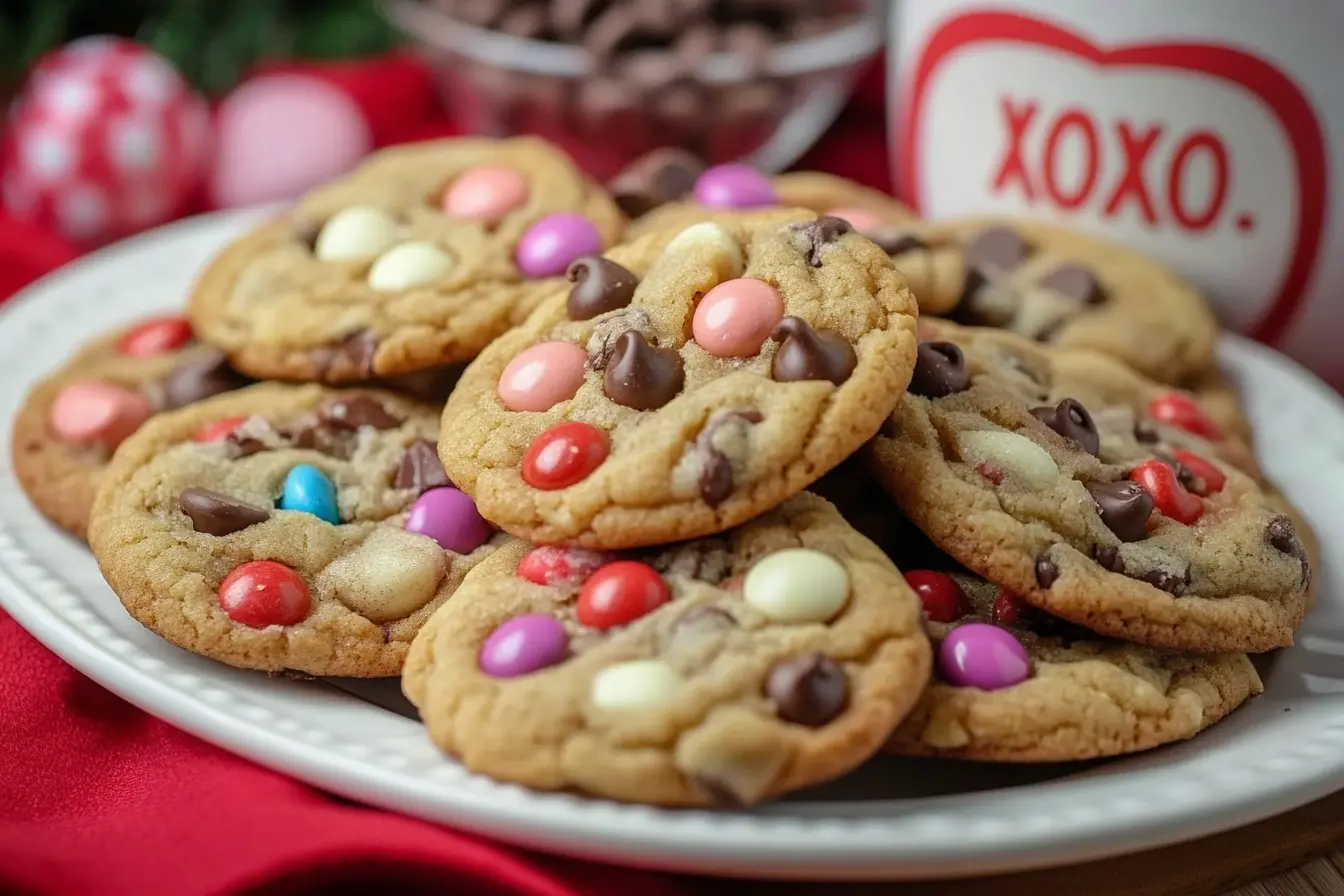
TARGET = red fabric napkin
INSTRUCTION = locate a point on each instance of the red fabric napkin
(97, 797)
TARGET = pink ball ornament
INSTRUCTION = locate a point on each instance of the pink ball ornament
(106, 139)
(281, 135)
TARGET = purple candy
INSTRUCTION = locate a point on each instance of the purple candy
(977, 655)
(450, 518)
(734, 186)
(524, 644)
(550, 244)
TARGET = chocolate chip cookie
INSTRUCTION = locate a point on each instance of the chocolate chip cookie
(418, 258)
(1135, 550)
(287, 528)
(684, 384)
(725, 670)
(1060, 287)
(70, 423)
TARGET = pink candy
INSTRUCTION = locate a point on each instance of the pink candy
(485, 194)
(861, 219)
(97, 413)
(735, 317)
(548, 246)
(542, 376)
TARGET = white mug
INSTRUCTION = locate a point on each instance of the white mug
(1207, 133)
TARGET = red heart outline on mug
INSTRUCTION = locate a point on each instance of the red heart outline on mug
(1284, 100)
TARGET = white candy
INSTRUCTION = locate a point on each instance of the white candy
(710, 237)
(797, 585)
(388, 577)
(635, 685)
(355, 234)
(409, 265)
(1017, 456)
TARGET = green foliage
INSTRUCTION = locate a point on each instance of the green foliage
(213, 42)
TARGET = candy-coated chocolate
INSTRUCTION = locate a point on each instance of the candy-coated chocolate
(1012, 454)
(1169, 496)
(861, 219)
(1007, 609)
(619, 593)
(409, 265)
(553, 242)
(564, 454)
(218, 429)
(978, 655)
(155, 336)
(357, 233)
(716, 242)
(264, 592)
(942, 597)
(635, 685)
(797, 585)
(1204, 478)
(97, 413)
(523, 645)
(733, 185)
(308, 490)
(560, 567)
(486, 194)
(450, 517)
(542, 376)
(735, 317)
(1180, 410)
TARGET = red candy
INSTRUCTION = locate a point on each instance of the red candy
(563, 455)
(560, 566)
(218, 429)
(263, 593)
(155, 336)
(943, 599)
(1179, 410)
(1210, 479)
(1007, 608)
(1169, 496)
(619, 593)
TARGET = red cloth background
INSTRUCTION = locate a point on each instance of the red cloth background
(97, 797)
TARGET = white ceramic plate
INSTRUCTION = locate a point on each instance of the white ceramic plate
(892, 819)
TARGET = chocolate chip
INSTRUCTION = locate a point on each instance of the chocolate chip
(1283, 537)
(813, 236)
(600, 285)
(996, 249)
(349, 359)
(808, 690)
(315, 435)
(354, 411)
(1124, 508)
(420, 468)
(1047, 573)
(602, 343)
(1146, 432)
(895, 241)
(940, 369)
(641, 376)
(1108, 558)
(216, 514)
(1171, 583)
(1072, 421)
(808, 354)
(1076, 282)
(201, 376)
(716, 470)
(660, 176)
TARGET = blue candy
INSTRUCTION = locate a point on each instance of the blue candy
(308, 489)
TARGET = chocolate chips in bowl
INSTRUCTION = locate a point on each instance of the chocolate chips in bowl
(610, 80)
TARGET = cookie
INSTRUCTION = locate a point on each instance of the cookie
(417, 258)
(70, 423)
(287, 528)
(1015, 684)
(1128, 550)
(726, 670)
(684, 384)
(1060, 287)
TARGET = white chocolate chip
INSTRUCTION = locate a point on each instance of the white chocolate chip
(711, 238)
(388, 577)
(797, 585)
(1015, 455)
(409, 265)
(357, 233)
(636, 685)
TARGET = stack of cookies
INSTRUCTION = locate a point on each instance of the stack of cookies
(712, 513)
